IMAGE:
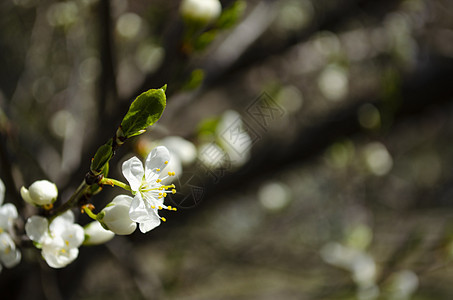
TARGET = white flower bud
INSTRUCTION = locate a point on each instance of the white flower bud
(200, 11)
(95, 234)
(41, 192)
(115, 216)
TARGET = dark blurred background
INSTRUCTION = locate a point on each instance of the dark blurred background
(341, 189)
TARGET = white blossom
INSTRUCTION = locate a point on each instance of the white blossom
(9, 255)
(95, 234)
(182, 148)
(41, 192)
(146, 185)
(200, 11)
(115, 216)
(59, 241)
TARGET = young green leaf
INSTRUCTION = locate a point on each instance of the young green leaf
(143, 112)
(101, 158)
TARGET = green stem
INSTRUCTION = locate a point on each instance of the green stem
(90, 213)
(113, 182)
(81, 190)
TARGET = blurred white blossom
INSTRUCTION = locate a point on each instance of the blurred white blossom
(59, 241)
(9, 255)
(200, 11)
(95, 234)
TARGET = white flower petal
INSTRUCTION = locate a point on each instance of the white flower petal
(2, 192)
(138, 211)
(184, 149)
(41, 192)
(61, 223)
(9, 255)
(57, 255)
(122, 199)
(156, 160)
(96, 234)
(134, 172)
(150, 224)
(36, 228)
(8, 213)
(74, 236)
(116, 215)
(12, 259)
(174, 165)
(26, 195)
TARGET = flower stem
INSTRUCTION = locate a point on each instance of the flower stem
(113, 182)
(89, 212)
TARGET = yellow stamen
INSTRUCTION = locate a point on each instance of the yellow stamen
(173, 191)
(166, 162)
(160, 207)
(48, 206)
(158, 180)
(157, 170)
(173, 208)
(153, 207)
(66, 242)
(165, 194)
(163, 219)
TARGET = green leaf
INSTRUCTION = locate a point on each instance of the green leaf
(144, 111)
(207, 128)
(195, 80)
(101, 158)
(204, 40)
(231, 15)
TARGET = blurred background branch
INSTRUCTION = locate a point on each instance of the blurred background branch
(345, 190)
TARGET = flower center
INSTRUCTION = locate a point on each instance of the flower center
(153, 193)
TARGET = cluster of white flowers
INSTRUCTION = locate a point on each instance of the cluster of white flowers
(149, 192)
(60, 240)
(9, 255)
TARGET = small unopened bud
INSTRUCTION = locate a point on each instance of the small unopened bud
(40, 193)
(95, 234)
(202, 12)
(115, 216)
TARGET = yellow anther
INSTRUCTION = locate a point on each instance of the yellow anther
(166, 162)
(160, 197)
(63, 250)
(160, 207)
(163, 219)
(169, 207)
(160, 194)
(173, 191)
(158, 180)
(48, 206)
(173, 186)
(66, 242)
(173, 208)
(169, 173)
(157, 170)
(153, 207)
(165, 194)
